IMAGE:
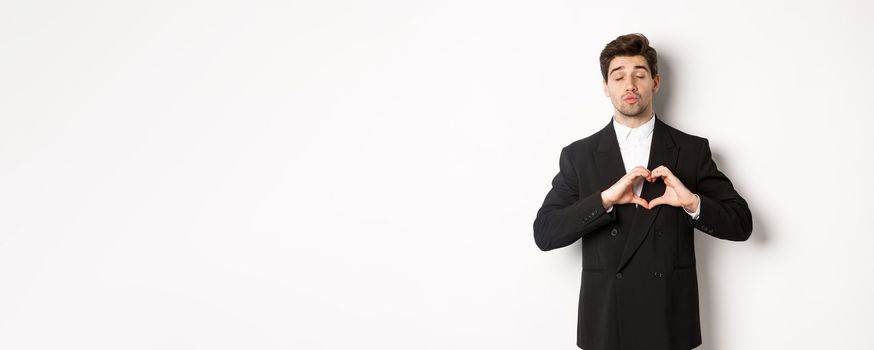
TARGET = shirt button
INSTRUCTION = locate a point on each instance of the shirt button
(619, 275)
(614, 232)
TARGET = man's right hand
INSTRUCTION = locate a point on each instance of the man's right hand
(622, 191)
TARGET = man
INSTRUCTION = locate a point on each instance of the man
(633, 192)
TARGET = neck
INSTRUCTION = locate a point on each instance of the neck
(633, 121)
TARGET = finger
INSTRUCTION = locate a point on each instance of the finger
(634, 173)
(664, 171)
(643, 173)
(661, 172)
(670, 178)
(656, 201)
(658, 172)
(640, 170)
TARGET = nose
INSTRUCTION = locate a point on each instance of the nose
(629, 86)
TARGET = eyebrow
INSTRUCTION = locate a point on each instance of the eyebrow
(635, 67)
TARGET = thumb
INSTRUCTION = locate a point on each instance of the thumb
(657, 201)
(640, 201)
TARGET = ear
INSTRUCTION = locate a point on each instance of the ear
(606, 92)
(657, 82)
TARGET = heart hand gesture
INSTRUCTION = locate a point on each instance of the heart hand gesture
(676, 194)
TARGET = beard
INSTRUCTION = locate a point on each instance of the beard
(628, 110)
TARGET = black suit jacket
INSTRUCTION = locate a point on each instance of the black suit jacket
(639, 282)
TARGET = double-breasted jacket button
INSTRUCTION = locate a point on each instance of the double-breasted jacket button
(614, 232)
(619, 275)
(658, 274)
(658, 233)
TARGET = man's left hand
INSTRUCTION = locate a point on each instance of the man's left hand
(676, 194)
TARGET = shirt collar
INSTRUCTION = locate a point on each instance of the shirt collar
(624, 133)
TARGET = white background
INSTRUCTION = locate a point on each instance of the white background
(365, 174)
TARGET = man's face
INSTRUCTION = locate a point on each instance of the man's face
(630, 86)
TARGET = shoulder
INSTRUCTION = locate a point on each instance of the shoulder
(582, 145)
(588, 143)
(684, 138)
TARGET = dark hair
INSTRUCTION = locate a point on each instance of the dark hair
(629, 45)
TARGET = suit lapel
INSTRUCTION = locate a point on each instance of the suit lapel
(608, 158)
(663, 151)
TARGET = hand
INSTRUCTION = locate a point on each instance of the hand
(622, 191)
(676, 194)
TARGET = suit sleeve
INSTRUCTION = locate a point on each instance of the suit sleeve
(724, 213)
(565, 216)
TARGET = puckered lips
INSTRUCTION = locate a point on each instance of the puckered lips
(630, 99)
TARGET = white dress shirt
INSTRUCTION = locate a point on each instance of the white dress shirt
(634, 144)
